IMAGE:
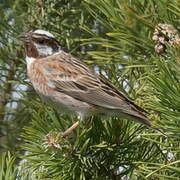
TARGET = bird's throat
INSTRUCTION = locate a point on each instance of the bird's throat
(29, 61)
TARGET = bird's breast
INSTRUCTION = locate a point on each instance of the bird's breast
(39, 79)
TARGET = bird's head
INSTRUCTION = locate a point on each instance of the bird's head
(39, 43)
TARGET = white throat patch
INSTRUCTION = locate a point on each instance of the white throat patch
(29, 61)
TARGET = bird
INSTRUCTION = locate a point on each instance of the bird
(69, 85)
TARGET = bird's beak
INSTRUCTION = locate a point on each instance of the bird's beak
(24, 37)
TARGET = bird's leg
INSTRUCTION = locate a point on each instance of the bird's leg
(69, 130)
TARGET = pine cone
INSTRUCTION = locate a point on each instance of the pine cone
(165, 33)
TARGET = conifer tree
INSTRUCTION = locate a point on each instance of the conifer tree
(135, 44)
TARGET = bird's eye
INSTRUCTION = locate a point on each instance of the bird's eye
(41, 41)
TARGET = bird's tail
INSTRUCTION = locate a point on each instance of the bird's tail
(144, 120)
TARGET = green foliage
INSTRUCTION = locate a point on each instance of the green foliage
(114, 36)
(94, 152)
(8, 169)
(166, 86)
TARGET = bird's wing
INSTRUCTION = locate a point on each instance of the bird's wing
(70, 76)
